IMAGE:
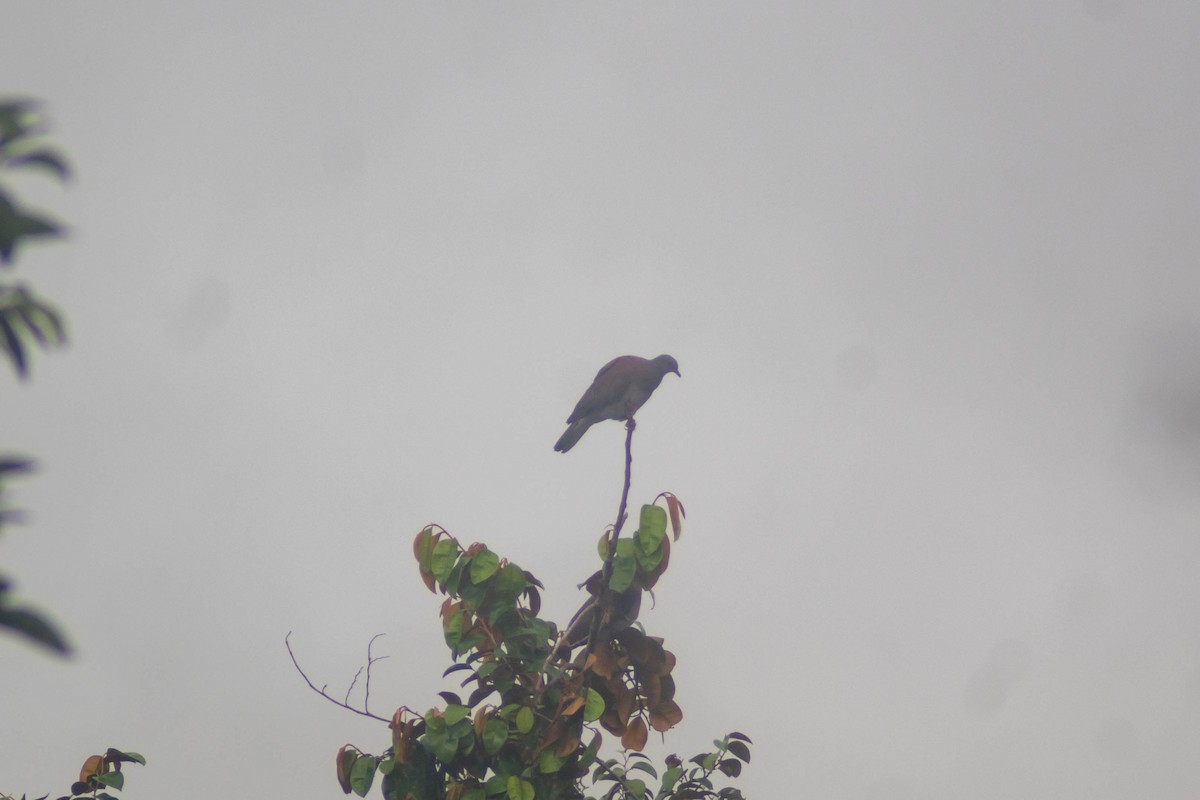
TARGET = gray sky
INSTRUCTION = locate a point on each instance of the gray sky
(340, 270)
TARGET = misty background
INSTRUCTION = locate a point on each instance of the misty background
(337, 271)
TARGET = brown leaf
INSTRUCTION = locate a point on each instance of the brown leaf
(95, 765)
(626, 700)
(573, 705)
(651, 688)
(606, 661)
(399, 737)
(635, 735)
(567, 746)
(665, 716)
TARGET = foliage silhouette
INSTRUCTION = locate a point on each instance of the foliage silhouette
(98, 776)
(25, 319)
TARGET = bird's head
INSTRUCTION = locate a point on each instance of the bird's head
(667, 364)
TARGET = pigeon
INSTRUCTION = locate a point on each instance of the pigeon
(621, 387)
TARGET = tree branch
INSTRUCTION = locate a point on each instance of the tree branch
(346, 704)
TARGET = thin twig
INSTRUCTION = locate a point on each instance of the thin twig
(604, 600)
(346, 705)
(353, 681)
(370, 660)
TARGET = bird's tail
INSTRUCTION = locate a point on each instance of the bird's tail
(571, 435)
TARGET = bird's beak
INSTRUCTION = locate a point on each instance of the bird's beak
(676, 373)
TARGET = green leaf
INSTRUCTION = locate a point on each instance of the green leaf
(114, 779)
(125, 755)
(624, 568)
(497, 784)
(549, 763)
(510, 582)
(644, 766)
(19, 305)
(46, 159)
(519, 789)
(12, 345)
(444, 556)
(635, 787)
(478, 793)
(740, 750)
(731, 767)
(455, 714)
(670, 778)
(525, 719)
(34, 626)
(453, 631)
(18, 118)
(16, 225)
(424, 548)
(483, 565)
(649, 561)
(362, 775)
(652, 528)
(590, 752)
(495, 734)
(593, 706)
(438, 739)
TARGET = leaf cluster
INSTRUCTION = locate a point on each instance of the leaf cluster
(679, 781)
(529, 728)
(25, 319)
(100, 775)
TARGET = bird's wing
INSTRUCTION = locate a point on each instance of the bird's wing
(609, 386)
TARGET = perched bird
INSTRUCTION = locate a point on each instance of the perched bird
(621, 387)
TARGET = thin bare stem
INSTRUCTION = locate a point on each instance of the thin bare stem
(346, 705)
(370, 661)
(605, 598)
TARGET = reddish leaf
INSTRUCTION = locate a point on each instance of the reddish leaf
(345, 762)
(676, 512)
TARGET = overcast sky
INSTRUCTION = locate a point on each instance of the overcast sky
(338, 270)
